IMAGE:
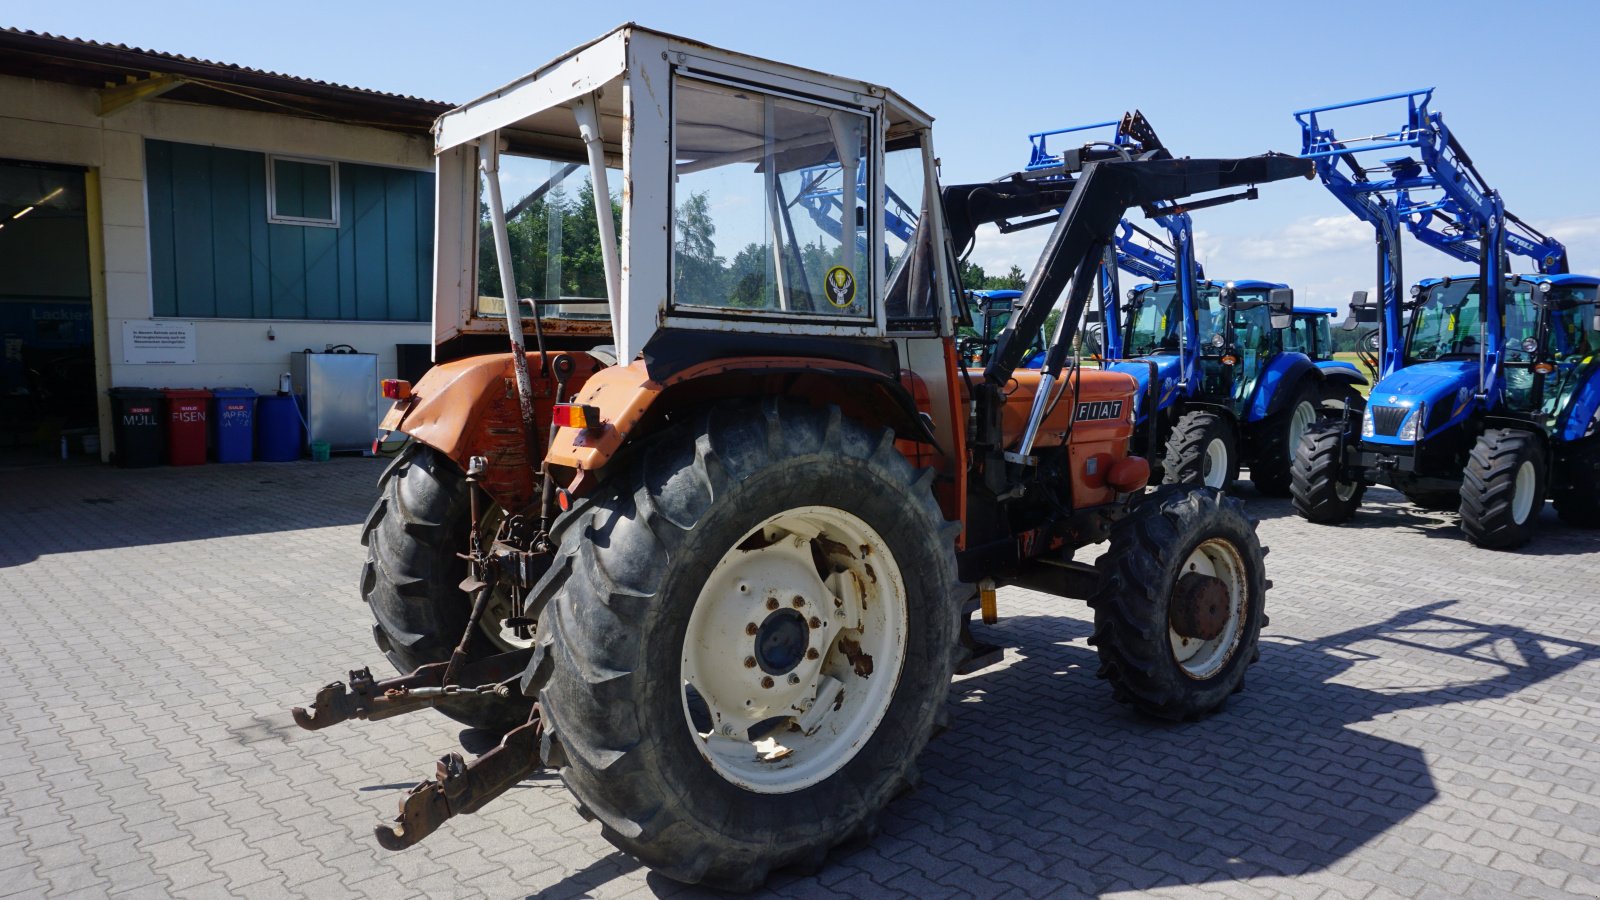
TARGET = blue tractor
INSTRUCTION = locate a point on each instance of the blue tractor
(1225, 379)
(1489, 393)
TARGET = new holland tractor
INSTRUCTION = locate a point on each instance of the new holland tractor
(1488, 400)
(709, 549)
(1233, 386)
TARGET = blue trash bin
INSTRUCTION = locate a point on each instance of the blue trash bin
(279, 435)
(233, 424)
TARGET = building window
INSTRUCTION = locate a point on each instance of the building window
(302, 191)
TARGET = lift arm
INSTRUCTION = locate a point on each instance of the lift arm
(1439, 196)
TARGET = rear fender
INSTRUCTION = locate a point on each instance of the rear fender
(468, 407)
(1279, 384)
(633, 405)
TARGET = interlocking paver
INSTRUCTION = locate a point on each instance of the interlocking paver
(1425, 720)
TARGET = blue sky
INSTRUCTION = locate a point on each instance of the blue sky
(1215, 78)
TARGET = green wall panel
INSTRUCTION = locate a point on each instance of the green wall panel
(213, 253)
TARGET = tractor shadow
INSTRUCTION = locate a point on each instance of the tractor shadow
(1045, 785)
(1388, 509)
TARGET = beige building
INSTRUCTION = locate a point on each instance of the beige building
(168, 221)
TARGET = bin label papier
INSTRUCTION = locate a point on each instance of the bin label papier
(157, 343)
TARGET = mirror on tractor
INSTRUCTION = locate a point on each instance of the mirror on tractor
(1228, 296)
(1595, 323)
(1281, 302)
(1361, 312)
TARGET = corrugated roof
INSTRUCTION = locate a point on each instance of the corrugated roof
(50, 57)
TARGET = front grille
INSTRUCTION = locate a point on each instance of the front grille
(1386, 419)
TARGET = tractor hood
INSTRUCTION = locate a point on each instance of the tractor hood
(1448, 384)
(1169, 369)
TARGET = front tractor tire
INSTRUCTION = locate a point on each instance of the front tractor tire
(755, 635)
(1317, 483)
(1502, 490)
(1203, 449)
(1180, 605)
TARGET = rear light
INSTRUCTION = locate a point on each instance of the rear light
(575, 415)
(396, 389)
(1230, 360)
(1543, 368)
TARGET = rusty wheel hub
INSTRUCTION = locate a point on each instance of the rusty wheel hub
(1199, 607)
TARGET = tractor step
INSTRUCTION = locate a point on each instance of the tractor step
(365, 698)
(462, 787)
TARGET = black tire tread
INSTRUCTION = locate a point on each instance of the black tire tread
(1314, 479)
(1489, 484)
(1130, 605)
(590, 652)
(1184, 462)
(1578, 502)
(1272, 460)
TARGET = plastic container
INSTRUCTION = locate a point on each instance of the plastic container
(186, 426)
(280, 436)
(233, 424)
(138, 416)
(320, 451)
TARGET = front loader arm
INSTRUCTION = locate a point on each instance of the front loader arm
(1093, 205)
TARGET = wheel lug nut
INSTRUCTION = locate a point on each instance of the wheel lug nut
(816, 622)
(799, 600)
(794, 679)
(752, 629)
(811, 653)
(766, 681)
(772, 603)
(749, 662)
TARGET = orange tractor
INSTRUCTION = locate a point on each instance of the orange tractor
(711, 548)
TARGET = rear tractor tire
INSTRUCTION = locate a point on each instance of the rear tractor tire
(753, 637)
(1271, 469)
(412, 575)
(1320, 492)
(1502, 491)
(1578, 503)
(1202, 449)
(1181, 602)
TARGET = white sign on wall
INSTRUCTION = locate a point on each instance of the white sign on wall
(158, 343)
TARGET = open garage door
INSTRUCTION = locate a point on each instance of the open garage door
(47, 376)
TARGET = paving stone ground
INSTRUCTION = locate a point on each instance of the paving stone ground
(1424, 721)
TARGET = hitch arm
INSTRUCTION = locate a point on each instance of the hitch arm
(461, 787)
(365, 698)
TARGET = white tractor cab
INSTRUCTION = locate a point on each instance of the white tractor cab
(736, 147)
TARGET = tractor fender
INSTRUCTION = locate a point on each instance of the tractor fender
(631, 404)
(1279, 383)
(468, 407)
(1583, 410)
(1341, 373)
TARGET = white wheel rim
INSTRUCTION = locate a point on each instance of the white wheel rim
(1304, 415)
(1214, 466)
(1522, 494)
(787, 672)
(1200, 659)
(1344, 490)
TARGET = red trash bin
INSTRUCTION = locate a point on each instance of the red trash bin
(186, 426)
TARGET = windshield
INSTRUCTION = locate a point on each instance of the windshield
(1449, 322)
(555, 241)
(1155, 318)
(1155, 321)
(770, 208)
(1572, 336)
